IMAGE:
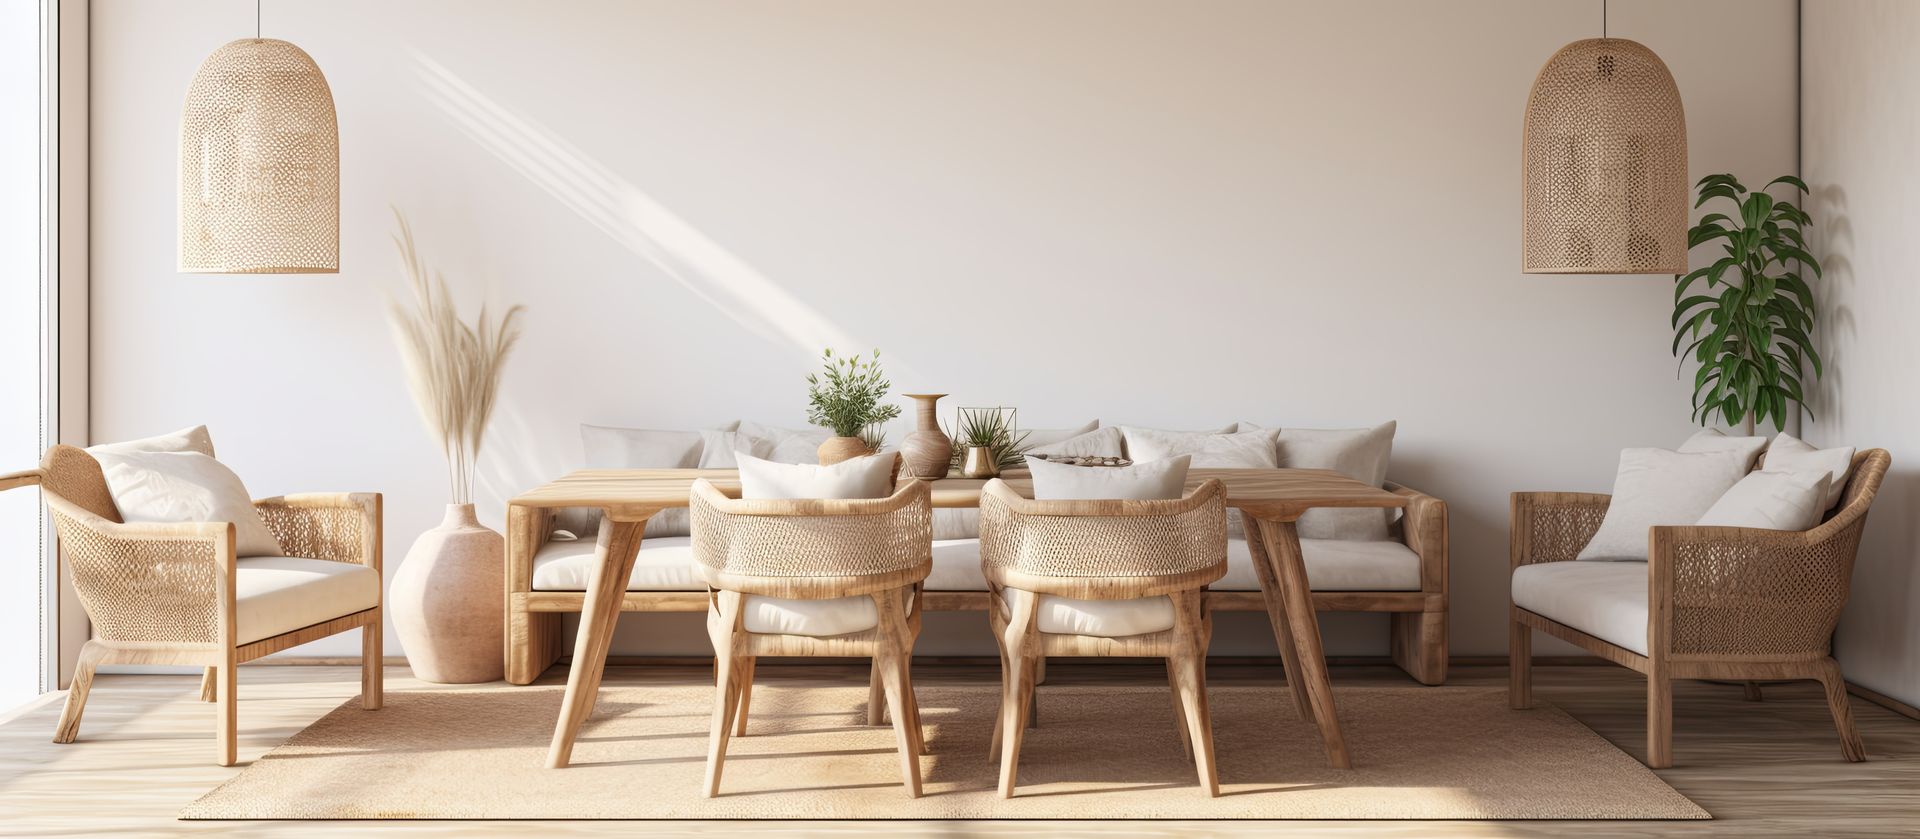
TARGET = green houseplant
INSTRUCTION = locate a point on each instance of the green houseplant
(1751, 324)
(845, 396)
(991, 429)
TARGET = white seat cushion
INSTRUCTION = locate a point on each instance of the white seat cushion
(279, 594)
(818, 618)
(1100, 618)
(1332, 565)
(664, 564)
(1607, 600)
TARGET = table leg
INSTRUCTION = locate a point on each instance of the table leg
(618, 545)
(1289, 568)
(1277, 616)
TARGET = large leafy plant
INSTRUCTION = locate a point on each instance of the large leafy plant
(1751, 323)
(845, 395)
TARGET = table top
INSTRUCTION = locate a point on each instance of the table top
(1265, 493)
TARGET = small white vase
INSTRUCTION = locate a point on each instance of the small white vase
(446, 601)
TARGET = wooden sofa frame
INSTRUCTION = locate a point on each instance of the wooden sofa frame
(1418, 631)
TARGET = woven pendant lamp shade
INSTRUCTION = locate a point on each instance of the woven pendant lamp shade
(259, 164)
(1604, 169)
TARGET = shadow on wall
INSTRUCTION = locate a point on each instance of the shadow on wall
(1835, 234)
(630, 217)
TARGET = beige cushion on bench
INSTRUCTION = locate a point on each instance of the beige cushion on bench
(1607, 600)
(664, 564)
(1100, 618)
(279, 594)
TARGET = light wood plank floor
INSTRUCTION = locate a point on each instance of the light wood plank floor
(1766, 769)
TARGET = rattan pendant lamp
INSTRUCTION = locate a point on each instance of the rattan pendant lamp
(259, 163)
(1604, 163)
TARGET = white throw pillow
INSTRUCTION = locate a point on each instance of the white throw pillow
(1358, 453)
(186, 487)
(1713, 440)
(1104, 442)
(1160, 479)
(1048, 436)
(790, 445)
(195, 439)
(1772, 501)
(1660, 487)
(720, 449)
(860, 477)
(1791, 454)
(1239, 450)
(639, 448)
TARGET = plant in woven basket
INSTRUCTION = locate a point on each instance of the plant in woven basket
(453, 367)
(1751, 325)
(846, 395)
(992, 428)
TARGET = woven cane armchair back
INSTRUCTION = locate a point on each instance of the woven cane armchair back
(812, 548)
(147, 586)
(1103, 549)
(74, 475)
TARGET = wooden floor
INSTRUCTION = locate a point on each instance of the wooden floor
(1771, 768)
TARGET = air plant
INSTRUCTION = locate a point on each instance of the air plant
(453, 368)
(989, 427)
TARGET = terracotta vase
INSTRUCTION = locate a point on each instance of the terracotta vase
(445, 601)
(927, 450)
(837, 449)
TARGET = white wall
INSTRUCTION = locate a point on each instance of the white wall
(1170, 214)
(1861, 80)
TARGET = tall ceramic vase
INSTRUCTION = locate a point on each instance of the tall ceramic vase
(928, 451)
(445, 601)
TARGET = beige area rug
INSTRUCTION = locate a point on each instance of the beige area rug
(1106, 753)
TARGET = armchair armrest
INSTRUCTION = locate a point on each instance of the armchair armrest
(150, 582)
(1734, 591)
(1553, 526)
(336, 526)
(1423, 526)
(11, 480)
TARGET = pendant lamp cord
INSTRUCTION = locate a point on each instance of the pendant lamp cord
(1603, 18)
(256, 20)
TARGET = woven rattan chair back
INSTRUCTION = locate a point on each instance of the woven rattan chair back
(1108, 549)
(74, 475)
(812, 548)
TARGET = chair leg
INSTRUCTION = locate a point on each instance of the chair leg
(69, 727)
(913, 704)
(876, 696)
(1031, 713)
(1016, 689)
(894, 648)
(1659, 717)
(209, 685)
(999, 719)
(1850, 743)
(373, 669)
(229, 711)
(1189, 663)
(723, 630)
(1179, 711)
(1519, 665)
(746, 696)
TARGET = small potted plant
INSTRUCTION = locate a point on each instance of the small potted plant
(846, 396)
(985, 441)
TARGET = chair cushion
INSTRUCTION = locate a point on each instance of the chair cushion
(1607, 600)
(818, 618)
(274, 595)
(1332, 565)
(870, 476)
(1099, 618)
(1160, 479)
(664, 564)
(1661, 487)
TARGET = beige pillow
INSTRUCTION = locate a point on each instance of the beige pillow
(720, 449)
(1358, 453)
(1048, 436)
(1772, 500)
(1160, 479)
(1104, 442)
(1660, 487)
(860, 477)
(1790, 454)
(195, 439)
(635, 448)
(790, 445)
(1238, 450)
(1714, 440)
(186, 487)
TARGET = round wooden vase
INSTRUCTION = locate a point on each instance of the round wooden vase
(837, 449)
(927, 450)
(445, 601)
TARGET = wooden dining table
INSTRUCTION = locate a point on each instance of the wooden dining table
(1270, 500)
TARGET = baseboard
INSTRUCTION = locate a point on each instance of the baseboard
(1884, 701)
(974, 661)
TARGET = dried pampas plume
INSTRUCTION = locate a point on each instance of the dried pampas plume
(453, 369)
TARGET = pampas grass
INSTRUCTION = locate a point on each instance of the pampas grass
(453, 368)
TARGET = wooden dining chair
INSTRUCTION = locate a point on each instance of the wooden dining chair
(813, 577)
(1103, 578)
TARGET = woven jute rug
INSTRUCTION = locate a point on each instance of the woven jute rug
(1099, 752)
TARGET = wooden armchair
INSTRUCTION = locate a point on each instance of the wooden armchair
(814, 577)
(1719, 602)
(1103, 578)
(177, 594)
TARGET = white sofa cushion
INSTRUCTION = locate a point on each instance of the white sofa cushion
(860, 477)
(185, 486)
(1100, 442)
(1771, 500)
(1661, 487)
(1714, 440)
(664, 564)
(1099, 618)
(279, 594)
(1239, 450)
(720, 449)
(1035, 437)
(790, 445)
(1790, 454)
(1358, 453)
(635, 448)
(195, 439)
(1161, 479)
(1607, 600)
(1332, 565)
